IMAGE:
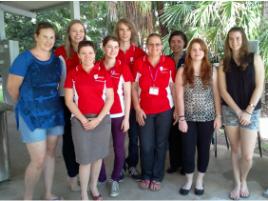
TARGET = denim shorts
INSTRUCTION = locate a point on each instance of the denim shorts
(38, 134)
(229, 118)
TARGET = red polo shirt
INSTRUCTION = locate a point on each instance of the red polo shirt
(120, 74)
(70, 62)
(158, 78)
(89, 88)
(131, 55)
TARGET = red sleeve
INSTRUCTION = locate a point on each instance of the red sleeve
(139, 53)
(69, 79)
(172, 68)
(127, 73)
(109, 81)
(60, 51)
(136, 68)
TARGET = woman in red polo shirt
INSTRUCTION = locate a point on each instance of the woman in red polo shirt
(121, 77)
(129, 52)
(76, 32)
(89, 97)
(152, 98)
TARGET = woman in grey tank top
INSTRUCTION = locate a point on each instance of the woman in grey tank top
(199, 112)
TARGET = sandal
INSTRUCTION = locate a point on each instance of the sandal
(144, 184)
(155, 185)
(96, 197)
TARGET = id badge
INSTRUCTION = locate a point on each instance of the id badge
(154, 91)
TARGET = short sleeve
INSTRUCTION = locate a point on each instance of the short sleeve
(109, 81)
(69, 79)
(173, 69)
(127, 74)
(139, 53)
(21, 63)
(136, 69)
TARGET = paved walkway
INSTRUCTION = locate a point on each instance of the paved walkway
(218, 181)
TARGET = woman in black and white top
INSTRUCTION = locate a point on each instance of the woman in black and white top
(199, 112)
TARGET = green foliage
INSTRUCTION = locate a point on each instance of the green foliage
(93, 15)
(211, 21)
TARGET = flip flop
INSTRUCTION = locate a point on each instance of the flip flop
(155, 185)
(144, 184)
(96, 197)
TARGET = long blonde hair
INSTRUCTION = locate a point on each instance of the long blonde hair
(68, 44)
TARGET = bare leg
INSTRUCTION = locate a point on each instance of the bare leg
(84, 173)
(233, 134)
(37, 152)
(248, 141)
(96, 166)
(49, 167)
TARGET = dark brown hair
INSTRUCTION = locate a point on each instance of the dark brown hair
(205, 71)
(243, 52)
(181, 34)
(68, 44)
(153, 35)
(130, 25)
(86, 43)
(43, 25)
(108, 38)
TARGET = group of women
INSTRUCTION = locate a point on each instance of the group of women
(143, 94)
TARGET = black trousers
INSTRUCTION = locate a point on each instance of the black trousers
(67, 145)
(175, 147)
(133, 145)
(198, 136)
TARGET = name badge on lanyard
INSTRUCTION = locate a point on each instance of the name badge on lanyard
(153, 90)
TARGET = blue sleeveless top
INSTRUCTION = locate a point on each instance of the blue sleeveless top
(39, 103)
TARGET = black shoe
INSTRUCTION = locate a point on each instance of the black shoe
(199, 191)
(183, 191)
(171, 170)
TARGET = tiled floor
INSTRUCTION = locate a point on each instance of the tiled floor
(218, 181)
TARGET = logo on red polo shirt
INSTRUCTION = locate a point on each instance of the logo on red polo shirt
(99, 78)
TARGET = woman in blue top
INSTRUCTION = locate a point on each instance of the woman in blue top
(33, 84)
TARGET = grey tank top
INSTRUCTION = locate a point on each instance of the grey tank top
(199, 102)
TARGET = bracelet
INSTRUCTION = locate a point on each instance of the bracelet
(181, 119)
(247, 112)
(181, 116)
(251, 105)
(218, 115)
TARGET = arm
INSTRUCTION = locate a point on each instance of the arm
(217, 100)
(179, 87)
(259, 80)
(13, 85)
(94, 122)
(224, 94)
(127, 100)
(140, 114)
(69, 94)
(257, 93)
(107, 105)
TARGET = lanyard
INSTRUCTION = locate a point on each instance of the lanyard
(155, 75)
